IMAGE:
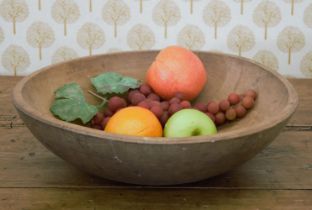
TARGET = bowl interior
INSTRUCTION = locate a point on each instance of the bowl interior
(225, 74)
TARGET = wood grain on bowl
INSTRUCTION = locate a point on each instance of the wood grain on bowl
(142, 160)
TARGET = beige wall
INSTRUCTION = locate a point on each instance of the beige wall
(36, 33)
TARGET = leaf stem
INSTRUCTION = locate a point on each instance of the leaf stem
(97, 95)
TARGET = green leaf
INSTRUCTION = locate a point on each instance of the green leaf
(112, 82)
(69, 109)
(71, 90)
(70, 104)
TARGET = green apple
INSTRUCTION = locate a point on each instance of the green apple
(189, 122)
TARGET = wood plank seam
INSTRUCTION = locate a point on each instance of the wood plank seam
(146, 187)
(298, 128)
(11, 125)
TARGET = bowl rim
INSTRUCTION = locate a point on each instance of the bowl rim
(22, 105)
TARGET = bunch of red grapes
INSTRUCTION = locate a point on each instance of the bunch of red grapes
(235, 106)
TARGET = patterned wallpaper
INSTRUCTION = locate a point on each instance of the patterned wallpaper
(36, 33)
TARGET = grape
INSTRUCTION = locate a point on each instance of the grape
(200, 106)
(130, 94)
(98, 127)
(233, 98)
(115, 103)
(230, 114)
(174, 100)
(104, 122)
(97, 119)
(145, 89)
(154, 103)
(153, 97)
(144, 104)
(252, 93)
(136, 98)
(173, 108)
(240, 111)
(219, 118)
(213, 107)
(179, 95)
(224, 105)
(150, 102)
(211, 116)
(164, 118)
(93, 122)
(157, 110)
(108, 113)
(248, 102)
(164, 105)
(185, 104)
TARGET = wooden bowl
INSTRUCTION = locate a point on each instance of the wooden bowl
(157, 161)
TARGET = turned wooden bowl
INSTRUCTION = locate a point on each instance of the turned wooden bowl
(157, 161)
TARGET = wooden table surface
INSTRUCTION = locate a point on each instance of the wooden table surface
(280, 177)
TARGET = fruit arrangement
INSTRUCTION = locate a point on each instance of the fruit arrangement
(161, 106)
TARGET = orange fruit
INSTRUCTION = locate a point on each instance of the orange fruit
(177, 70)
(134, 121)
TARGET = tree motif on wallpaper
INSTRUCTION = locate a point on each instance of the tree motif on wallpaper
(217, 14)
(267, 14)
(191, 5)
(308, 16)
(292, 5)
(267, 58)
(65, 12)
(90, 5)
(90, 36)
(40, 35)
(141, 37)
(14, 11)
(141, 5)
(306, 65)
(240, 39)
(64, 54)
(15, 59)
(1, 35)
(191, 37)
(115, 13)
(39, 5)
(241, 2)
(166, 13)
(290, 40)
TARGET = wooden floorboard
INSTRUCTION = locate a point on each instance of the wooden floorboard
(303, 115)
(142, 199)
